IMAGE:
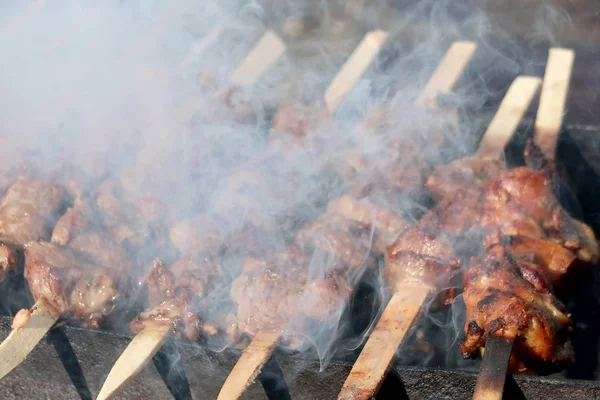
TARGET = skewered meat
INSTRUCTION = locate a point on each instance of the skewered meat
(289, 291)
(469, 174)
(70, 283)
(388, 225)
(177, 296)
(294, 126)
(512, 299)
(521, 201)
(28, 211)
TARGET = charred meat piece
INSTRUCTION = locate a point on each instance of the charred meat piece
(72, 285)
(521, 201)
(511, 299)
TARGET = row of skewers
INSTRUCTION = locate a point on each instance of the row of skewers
(526, 242)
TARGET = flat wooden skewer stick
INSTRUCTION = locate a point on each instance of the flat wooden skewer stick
(379, 353)
(555, 87)
(447, 73)
(254, 357)
(20, 342)
(492, 374)
(354, 68)
(142, 348)
(268, 50)
(147, 343)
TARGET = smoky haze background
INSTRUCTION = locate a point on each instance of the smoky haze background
(100, 87)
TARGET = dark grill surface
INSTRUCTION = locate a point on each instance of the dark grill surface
(42, 376)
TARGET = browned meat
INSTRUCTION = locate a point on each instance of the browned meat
(343, 239)
(173, 303)
(311, 280)
(177, 296)
(388, 225)
(77, 219)
(521, 202)
(29, 210)
(511, 299)
(293, 124)
(553, 260)
(423, 256)
(72, 285)
(470, 174)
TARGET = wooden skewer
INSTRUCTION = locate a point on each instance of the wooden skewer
(268, 49)
(548, 122)
(447, 73)
(492, 375)
(242, 376)
(379, 352)
(19, 343)
(199, 47)
(354, 68)
(249, 365)
(141, 349)
(555, 89)
(147, 343)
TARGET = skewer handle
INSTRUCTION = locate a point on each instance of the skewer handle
(447, 73)
(20, 342)
(379, 353)
(492, 375)
(354, 68)
(553, 99)
(511, 111)
(268, 49)
(249, 365)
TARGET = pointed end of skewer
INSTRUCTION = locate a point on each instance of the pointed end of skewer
(492, 375)
(249, 365)
(29, 327)
(141, 349)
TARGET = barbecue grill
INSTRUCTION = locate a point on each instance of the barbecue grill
(73, 362)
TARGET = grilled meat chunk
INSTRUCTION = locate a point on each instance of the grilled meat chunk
(387, 224)
(70, 283)
(520, 201)
(469, 174)
(311, 280)
(420, 257)
(511, 299)
(178, 296)
(28, 211)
